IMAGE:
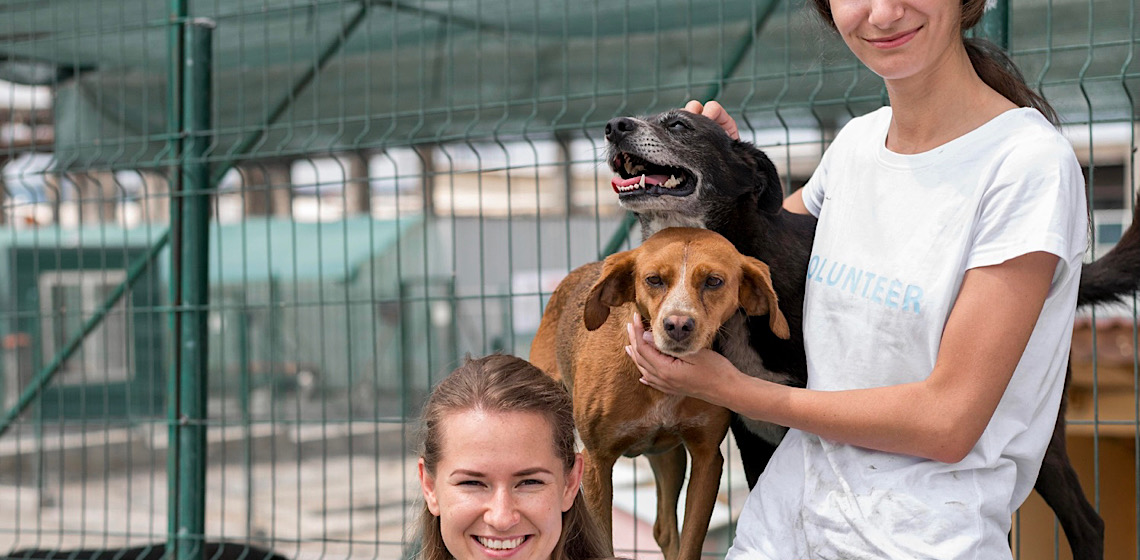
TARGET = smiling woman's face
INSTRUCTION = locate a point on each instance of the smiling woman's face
(499, 488)
(899, 39)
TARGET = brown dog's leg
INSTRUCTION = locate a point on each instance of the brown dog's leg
(598, 484)
(701, 494)
(669, 474)
(1057, 483)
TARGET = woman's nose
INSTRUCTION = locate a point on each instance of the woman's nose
(502, 512)
(885, 12)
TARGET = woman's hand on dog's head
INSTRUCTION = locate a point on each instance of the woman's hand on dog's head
(716, 112)
(703, 375)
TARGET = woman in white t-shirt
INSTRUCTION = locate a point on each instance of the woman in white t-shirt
(938, 307)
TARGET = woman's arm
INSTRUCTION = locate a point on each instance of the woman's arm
(939, 418)
(795, 202)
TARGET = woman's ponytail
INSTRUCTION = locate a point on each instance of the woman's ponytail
(998, 71)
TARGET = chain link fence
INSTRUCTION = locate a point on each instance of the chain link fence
(241, 239)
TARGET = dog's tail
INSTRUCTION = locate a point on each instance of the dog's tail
(1117, 273)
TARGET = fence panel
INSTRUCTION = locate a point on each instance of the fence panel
(391, 186)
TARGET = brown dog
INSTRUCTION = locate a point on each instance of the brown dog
(686, 283)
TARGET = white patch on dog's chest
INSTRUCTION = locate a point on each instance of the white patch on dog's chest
(661, 414)
(664, 411)
(660, 221)
(734, 345)
(661, 418)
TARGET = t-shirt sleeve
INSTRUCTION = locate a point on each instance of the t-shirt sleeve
(838, 155)
(815, 188)
(1035, 202)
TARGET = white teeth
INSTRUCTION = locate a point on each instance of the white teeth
(501, 544)
(631, 168)
(633, 186)
(672, 182)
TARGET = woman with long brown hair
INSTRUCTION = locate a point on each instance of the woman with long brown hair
(498, 468)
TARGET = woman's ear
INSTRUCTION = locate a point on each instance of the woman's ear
(573, 483)
(427, 485)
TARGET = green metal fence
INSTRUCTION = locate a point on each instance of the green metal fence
(241, 239)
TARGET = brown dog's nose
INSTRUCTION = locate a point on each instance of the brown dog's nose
(617, 128)
(679, 328)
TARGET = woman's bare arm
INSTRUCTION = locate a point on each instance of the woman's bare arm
(938, 418)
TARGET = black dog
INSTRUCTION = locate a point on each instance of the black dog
(696, 176)
(156, 551)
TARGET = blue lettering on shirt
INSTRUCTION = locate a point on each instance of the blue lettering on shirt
(891, 293)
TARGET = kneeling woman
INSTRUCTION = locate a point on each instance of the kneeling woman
(498, 469)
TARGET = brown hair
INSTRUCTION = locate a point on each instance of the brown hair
(508, 384)
(993, 65)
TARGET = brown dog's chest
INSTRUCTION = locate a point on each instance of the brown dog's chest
(663, 422)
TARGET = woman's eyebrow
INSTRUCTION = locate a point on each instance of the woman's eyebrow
(480, 474)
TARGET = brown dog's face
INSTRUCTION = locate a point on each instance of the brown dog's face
(686, 283)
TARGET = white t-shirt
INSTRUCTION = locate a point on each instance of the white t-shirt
(896, 234)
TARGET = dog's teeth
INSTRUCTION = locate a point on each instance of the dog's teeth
(672, 182)
(633, 168)
(642, 183)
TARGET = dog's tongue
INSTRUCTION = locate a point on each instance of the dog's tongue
(624, 184)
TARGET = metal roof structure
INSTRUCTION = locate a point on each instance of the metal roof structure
(296, 77)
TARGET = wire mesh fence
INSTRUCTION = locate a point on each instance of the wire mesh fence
(375, 189)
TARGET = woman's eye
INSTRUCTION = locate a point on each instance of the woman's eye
(531, 482)
(470, 483)
(713, 282)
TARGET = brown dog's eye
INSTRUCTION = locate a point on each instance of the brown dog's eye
(713, 282)
(654, 281)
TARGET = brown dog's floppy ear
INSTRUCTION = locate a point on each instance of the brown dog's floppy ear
(758, 297)
(613, 288)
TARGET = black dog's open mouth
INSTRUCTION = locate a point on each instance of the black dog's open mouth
(637, 176)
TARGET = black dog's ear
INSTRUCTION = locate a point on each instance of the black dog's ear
(770, 191)
(613, 288)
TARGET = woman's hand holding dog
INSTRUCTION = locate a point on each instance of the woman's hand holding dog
(703, 375)
(941, 417)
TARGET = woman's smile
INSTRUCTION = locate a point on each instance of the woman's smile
(502, 547)
(895, 40)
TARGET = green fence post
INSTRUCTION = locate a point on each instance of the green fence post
(176, 18)
(188, 505)
(246, 419)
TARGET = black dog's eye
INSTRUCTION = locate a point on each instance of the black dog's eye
(713, 282)
(677, 125)
(654, 280)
